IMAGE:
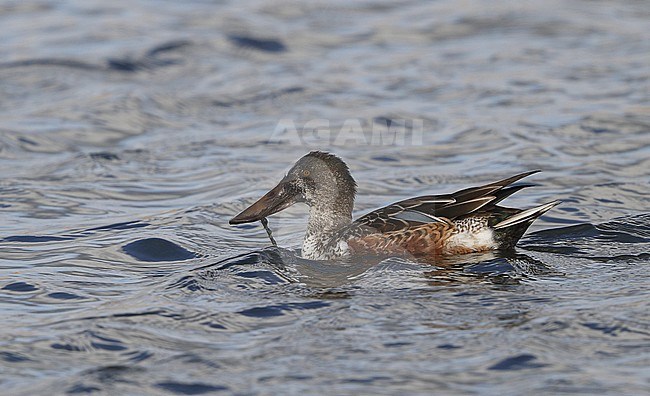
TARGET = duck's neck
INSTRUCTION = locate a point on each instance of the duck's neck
(324, 221)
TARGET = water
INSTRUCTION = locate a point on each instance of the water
(130, 132)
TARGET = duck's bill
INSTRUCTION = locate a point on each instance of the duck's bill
(272, 202)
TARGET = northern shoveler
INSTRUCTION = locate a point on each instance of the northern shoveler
(466, 221)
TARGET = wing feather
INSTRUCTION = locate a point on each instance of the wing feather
(441, 209)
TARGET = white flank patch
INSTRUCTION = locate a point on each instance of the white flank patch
(482, 240)
(342, 248)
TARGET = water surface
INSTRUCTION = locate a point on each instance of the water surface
(130, 132)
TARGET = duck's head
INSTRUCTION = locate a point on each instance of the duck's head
(321, 180)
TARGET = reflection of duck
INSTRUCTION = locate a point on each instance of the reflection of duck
(498, 267)
(466, 221)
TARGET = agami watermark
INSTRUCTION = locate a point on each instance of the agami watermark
(353, 131)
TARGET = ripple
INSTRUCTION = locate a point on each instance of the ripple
(21, 287)
(519, 362)
(279, 310)
(157, 249)
(129, 135)
(266, 45)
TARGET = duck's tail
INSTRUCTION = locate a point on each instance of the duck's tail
(511, 229)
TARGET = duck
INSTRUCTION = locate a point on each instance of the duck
(423, 227)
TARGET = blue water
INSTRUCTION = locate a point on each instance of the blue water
(131, 132)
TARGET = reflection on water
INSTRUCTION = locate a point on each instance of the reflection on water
(131, 132)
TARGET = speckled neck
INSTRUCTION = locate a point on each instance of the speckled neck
(330, 210)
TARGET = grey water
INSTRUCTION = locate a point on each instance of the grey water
(132, 131)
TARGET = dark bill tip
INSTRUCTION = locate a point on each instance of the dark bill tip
(272, 202)
(239, 219)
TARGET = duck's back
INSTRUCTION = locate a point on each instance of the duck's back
(463, 222)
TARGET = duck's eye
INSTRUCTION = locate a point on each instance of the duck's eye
(306, 173)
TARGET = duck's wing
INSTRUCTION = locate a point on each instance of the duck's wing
(405, 214)
(439, 208)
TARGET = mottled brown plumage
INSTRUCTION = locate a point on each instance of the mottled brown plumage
(424, 240)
